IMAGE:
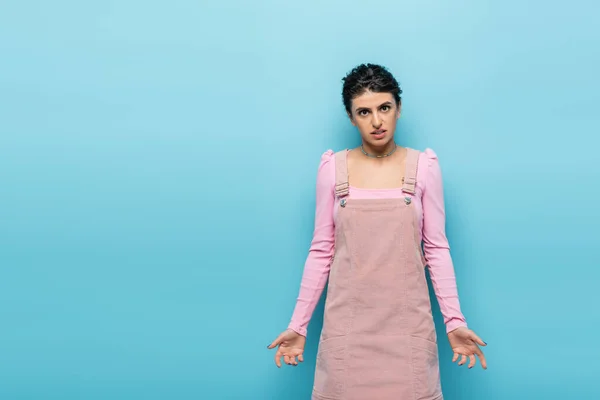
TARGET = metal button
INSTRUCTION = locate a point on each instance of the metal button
(343, 203)
(407, 200)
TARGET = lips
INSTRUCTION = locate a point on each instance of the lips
(379, 133)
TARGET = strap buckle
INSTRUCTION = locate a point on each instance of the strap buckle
(342, 188)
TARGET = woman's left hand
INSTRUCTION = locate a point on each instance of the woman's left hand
(464, 342)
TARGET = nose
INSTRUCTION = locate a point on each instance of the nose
(376, 122)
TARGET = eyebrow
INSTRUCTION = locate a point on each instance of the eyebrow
(387, 103)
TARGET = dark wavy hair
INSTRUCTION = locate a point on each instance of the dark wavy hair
(368, 77)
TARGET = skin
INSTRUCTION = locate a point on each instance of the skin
(371, 111)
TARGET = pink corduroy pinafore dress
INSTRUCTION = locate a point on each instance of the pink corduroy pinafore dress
(378, 340)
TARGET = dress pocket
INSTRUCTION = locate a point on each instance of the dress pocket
(330, 370)
(426, 369)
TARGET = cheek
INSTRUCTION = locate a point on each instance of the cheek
(391, 121)
(364, 127)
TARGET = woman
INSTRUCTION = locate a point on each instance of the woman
(376, 205)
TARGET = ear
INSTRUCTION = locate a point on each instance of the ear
(399, 110)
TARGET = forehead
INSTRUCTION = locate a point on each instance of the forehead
(371, 99)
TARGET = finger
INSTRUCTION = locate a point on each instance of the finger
(278, 359)
(463, 360)
(301, 358)
(477, 339)
(292, 359)
(455, 357)
(472, 361)
(286, 359)
(481, 358)
(276, 342)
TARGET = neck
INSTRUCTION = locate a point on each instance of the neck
(379, 151)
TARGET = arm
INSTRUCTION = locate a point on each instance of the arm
(436, 247)
(318, 262)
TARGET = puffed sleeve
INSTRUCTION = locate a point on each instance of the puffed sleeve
(436, 247)
(318, 261)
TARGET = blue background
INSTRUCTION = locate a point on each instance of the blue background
(157, 171)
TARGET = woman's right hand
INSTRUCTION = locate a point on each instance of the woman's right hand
(291, 346)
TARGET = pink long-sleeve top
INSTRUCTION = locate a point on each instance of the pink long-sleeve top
(432, 221)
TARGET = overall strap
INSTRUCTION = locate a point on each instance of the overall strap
(410, 171)
(341, 173)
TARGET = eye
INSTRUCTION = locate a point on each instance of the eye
(386, 108)
(363, 113)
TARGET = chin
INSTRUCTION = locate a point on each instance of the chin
(380, 142)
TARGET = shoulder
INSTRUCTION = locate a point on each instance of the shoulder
(427, 157)
(327, 159)
(326, 170)
(330, 157)
(428, 167)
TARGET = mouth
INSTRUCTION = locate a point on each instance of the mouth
(379, 133)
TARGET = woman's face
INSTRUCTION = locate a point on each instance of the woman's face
(375, 116)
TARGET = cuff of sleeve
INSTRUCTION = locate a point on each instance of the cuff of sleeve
(298, 329)
(455, 323)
